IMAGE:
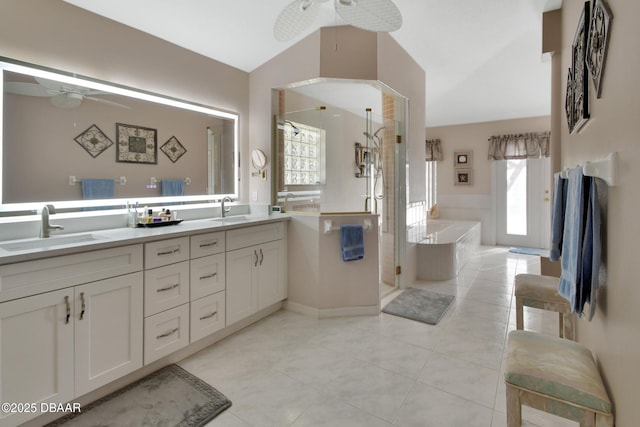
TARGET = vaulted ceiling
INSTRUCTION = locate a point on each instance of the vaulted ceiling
(482, 59)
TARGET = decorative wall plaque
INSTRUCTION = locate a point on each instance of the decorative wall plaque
(568, 103)
(579, 67)
(173, 149)
(597, 43)
(93, 140)
(136, 144)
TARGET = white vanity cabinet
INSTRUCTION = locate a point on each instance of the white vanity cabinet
(255, 269)
(74, 336)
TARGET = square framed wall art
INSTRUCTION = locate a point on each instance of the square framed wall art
(463, 159)
(463, 176)
(136, 144)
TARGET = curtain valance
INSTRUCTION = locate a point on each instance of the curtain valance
(519, 146)
(433, 150)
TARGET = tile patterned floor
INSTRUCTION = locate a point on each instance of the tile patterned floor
(292, 370)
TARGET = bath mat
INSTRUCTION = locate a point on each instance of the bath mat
(168, 397)
(419, 304)
(526, 251)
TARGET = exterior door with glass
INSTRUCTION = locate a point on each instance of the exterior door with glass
(523, 202)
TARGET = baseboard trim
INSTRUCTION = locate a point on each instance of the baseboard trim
(327, 313)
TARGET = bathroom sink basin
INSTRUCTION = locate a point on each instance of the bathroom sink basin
(231, 219)
(49, 242)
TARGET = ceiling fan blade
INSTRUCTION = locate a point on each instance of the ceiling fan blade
(56, 87)
(30, 89)
(107, 102)
(295, 18)
(372, 15)
(66, 100)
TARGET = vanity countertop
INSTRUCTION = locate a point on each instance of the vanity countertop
(12, 251)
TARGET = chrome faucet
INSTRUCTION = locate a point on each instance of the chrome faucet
(223, 208)
(46, 228)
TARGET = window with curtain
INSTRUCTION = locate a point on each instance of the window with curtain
(433, 149)
(519, 146)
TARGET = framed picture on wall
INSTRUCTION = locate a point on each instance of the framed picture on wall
(463, 176)
(463, 159)
(136, 144)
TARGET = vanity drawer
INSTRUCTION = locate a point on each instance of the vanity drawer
(207, 315)
(249, 236)
(165, 333)
(165, 252)
(207, 244)
(33, 277)
(207, 275)
(166, 287)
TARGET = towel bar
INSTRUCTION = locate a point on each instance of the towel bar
(329, 227)
(605, 169)
(73, 180)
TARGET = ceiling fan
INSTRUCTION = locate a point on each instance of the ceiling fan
(372, 15)
(63, 95)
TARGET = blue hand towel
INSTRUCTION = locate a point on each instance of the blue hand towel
(172, 187)
(557, 216)
(98, 189)
(572, 238)
(591, 250)
(352, 242)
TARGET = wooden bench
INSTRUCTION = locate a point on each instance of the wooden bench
(533, 290)
(557, 376)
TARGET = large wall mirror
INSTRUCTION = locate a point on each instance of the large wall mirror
(82, 143)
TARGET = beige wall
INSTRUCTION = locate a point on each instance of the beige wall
(474, 202)
(318, 277)
(64, 37)
(613, 333)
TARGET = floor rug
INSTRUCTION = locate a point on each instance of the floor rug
(526, 251)
(419, 304)
(168, 397)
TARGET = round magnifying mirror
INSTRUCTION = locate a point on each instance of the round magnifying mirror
(258, 159)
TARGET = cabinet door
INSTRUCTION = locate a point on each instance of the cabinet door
(36, 351)
(271, 284)
(241, 289)
(108, 330)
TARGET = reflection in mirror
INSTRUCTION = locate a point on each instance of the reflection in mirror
(316, 167)
(78, 142)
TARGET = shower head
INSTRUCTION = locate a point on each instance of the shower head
(296, 130)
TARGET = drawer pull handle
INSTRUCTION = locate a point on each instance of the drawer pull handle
(168, 288)
(68, 307)
(168, 333)
(255, 264)
(208, 316)
(208, 276)
(261, 256)
(169, 252)
(206, 245)
(82, 308)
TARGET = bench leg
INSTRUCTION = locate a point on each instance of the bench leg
(514, 414)
(569, 326)
(519, 314)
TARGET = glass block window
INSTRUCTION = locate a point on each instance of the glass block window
(303, 155)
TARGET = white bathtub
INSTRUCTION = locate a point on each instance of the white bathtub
(444, 247)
